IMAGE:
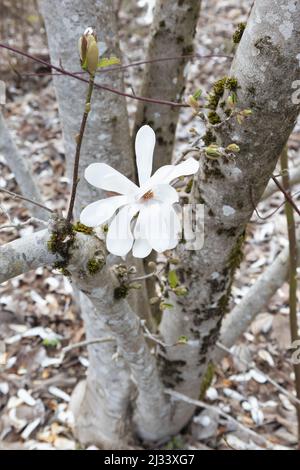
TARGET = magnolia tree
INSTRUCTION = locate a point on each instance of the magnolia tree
(152, 345)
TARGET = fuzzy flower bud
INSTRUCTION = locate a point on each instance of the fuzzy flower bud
(234, 148)
(213, 151)
(192, 102)
(88, 51)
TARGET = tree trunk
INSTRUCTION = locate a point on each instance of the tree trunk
(265, 66)
(131, 376)
(172, 35)
(106, 139)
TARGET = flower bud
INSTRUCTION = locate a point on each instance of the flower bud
(192, 102)
(213, 151)
(246, 112)
(181, 291)
(88, 51)
(234, 148)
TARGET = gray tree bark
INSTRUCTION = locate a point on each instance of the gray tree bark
(172, 35)
(265, 66)
(134, 368)
(20, 169)
(106, 139)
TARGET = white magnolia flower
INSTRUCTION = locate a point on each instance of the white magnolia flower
(157, 225)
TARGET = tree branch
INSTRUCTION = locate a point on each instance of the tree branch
(293, 255)
(96, 85)
(24, 254)
(79, 138)
(19, 167)
(272, 188)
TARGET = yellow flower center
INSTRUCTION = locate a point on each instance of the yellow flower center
(148, 195)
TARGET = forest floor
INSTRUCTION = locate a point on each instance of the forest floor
(37, 315)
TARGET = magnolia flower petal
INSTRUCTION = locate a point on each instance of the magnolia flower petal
(167, 173)
(99, 212)
(105, 177)
(174, 228)
(165, 193)
(154, 225)
(141, 248)
(144, 147)
(119, 238)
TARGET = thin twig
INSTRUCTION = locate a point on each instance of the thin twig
(96, 85)
(141, 278)
(19, 225)
(292, 274)
(88, 342)
(23, 198)
(132, 64)
(266, 376)
(286, 193)
(181, 397)
(78, 146)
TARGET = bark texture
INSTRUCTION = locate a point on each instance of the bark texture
(106, 139)
(24, 254)
(172, 33)
(108, 397)
(265, 66)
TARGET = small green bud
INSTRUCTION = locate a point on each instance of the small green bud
(182, 339)
(180, 291)
(246, 112)
(165, 306)
(88, 51)
(213, 151)
(197, 94)
(231, 101)
(234, 148)
(192, 102)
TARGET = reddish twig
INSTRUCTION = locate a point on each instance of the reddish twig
(101, 87)
(287, 195)
(134, 64)
(78, 147)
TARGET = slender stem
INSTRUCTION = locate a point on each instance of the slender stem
(266, 376)
(87, 343)
(96, 85)
(78, 146)
(292, 274)
(134, 64)
(18, 196)
(181, 397)
(286, 192)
